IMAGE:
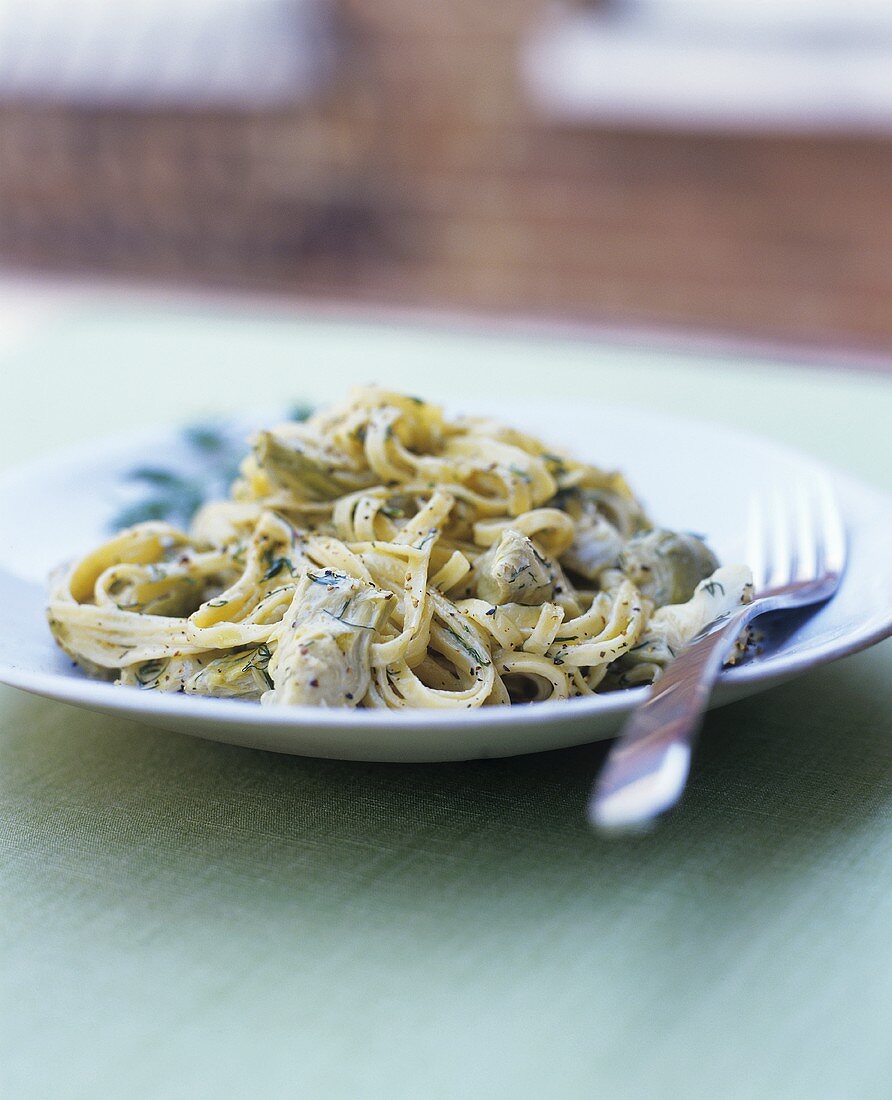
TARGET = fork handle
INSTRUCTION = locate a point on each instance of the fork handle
(647, 766)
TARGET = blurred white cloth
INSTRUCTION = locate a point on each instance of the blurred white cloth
(163, 52)
(788, 65)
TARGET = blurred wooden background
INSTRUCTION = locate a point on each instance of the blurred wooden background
(420, 175)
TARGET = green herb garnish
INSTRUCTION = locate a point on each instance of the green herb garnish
(329, 578)
(276, 567)
(148, 672)
(467, 647)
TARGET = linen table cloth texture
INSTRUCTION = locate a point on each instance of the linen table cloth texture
(190, 919)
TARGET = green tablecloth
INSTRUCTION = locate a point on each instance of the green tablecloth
(186, 919)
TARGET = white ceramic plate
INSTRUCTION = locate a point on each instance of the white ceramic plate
(692, 476)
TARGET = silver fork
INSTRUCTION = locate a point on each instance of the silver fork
(796, 547)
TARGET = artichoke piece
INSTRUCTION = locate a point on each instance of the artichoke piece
(291, 467)
(163, 673)
(604, 520)
(514, 571)
(666, 566)
(624, 512)
(596, 546)
(672, 627)
(322, 657)
(239, 675)
(620, 509)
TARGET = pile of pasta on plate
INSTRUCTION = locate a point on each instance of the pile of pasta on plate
(382, 555)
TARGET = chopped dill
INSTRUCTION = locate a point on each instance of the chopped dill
(148, 672)
(329, 578)
(276, 567)
(260, 662)
(467, 647)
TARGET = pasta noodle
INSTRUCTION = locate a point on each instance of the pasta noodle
(382, 555)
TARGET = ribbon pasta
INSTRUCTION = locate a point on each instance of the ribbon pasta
(379, 555)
